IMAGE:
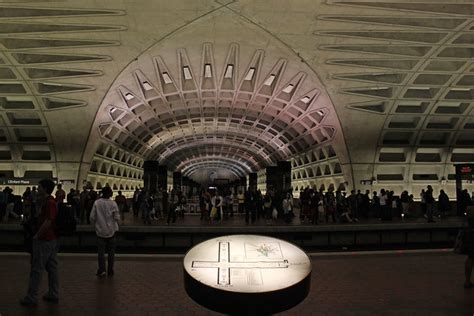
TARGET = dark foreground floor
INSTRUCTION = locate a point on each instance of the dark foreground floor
(373, 284)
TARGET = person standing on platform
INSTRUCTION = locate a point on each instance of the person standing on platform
(365, 207)
(404, 199)
(10, 204)
(44, 248)
(121, 201)
(173, 203)
(164, 202)
(267, 206)
(250, 206)
(34, 202)
(259, 204)
(423, 202)
(430, 204)
(468, 245)
(91, 196)
(151, 208)
(444, 206)
(375, 205)
(158, 198)
(82, 204)
(230, 201)
(136, 202)
(352, 201)
(27, 202)
(60, 194)
(216, 210)
(331, 205)
(227, 205)
(74, 200)
(383, 199)
(145, 207)
(204, 204)
(314, 202)
(304, 205)
(241, 201)
(3, 204)
(105, 216)
(287, 206)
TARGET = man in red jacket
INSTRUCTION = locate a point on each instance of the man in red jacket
(44, 248)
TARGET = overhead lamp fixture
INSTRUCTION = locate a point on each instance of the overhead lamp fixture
(207, 71)
(187, 73)
(320, 112)
(250, 74)
(229, 71)
(147, 86)
(269, 80)
(306, 99)
(52, 84)
(166, 78)
(112, 110)
(129, 96)
(289, 88)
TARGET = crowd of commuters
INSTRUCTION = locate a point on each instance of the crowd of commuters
(252, 204)
(106, 214)
(315, 206)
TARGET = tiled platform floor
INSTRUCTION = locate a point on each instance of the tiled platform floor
(375, 284)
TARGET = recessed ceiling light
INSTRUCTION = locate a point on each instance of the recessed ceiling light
(129, 96)
(306, 99)
(269, 80)
(229, 71)
(147, 86)
(250, 73)
(166, 78)
(289, 88)
(187, 73)
(52, 84)
(207, 71)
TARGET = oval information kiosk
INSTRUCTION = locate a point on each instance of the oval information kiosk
(247, 274)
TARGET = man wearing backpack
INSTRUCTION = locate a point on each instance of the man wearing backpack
(44, 248)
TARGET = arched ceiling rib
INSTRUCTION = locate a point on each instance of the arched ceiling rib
(400, 72)
(288, 130)
(226, 149)
(410, 72)
(237, 167)
(273, 113)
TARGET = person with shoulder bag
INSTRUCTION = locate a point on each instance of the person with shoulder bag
(44, 249)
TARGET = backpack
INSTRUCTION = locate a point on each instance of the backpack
(65, 221)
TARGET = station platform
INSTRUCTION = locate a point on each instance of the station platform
(158, 237)
(374, 283)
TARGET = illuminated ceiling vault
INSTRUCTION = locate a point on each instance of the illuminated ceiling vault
(346, 90)
(241, 115)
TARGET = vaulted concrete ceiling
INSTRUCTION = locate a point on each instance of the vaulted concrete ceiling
(348, 90)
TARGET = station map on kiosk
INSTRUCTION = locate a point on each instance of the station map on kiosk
(247, 263)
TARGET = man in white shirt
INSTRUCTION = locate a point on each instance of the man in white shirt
(383, 204)
(105, 216)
